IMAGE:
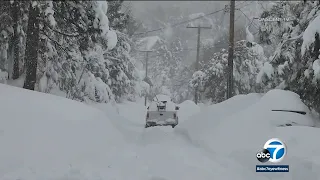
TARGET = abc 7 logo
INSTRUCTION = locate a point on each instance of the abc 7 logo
(273, 151)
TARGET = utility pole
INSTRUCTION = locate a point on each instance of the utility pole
(198, 54)
(146, 78)
(231, 48)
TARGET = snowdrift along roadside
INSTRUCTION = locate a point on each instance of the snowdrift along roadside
(49, 137)
(187, 109)
(43, 131)
(239, 127)
(199, 124)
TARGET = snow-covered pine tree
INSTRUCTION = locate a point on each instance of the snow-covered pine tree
(13, 18)
(215, 83)
(117, 19)
(271, 33)
(247, 63)
(249, 58)
(73, 30)
(6, 30)
(294, 63)
(123, 72)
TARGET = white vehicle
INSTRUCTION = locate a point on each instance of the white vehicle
(162, 112)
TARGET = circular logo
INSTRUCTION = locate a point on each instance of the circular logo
(263, 155)
(276, 148)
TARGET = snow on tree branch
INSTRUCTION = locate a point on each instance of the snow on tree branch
(309, 34)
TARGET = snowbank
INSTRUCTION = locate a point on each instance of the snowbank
(17, 82)
(211, 124)
(285, 100)
(187, 109)
(246, 113)
(45, 133)
(199, 125)
(241, 125)
(48, 137)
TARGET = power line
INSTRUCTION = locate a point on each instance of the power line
(254, 24)
(216, 45)
(180, 23)
(237, 18)
(186, 21)
(244, 5)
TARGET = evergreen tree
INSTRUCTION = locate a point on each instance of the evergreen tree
(212, 81)
(293, 65)
(6, 30)
(117, 20)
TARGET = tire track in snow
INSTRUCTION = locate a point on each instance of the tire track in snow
(211, 154)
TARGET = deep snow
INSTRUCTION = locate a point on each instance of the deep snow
(241, 125)
(48, 137)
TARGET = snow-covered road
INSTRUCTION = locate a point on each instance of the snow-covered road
(52, 138)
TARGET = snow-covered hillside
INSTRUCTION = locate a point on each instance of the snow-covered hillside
(48, 137)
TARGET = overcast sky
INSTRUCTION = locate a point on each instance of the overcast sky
(141, 7)
(145, 11)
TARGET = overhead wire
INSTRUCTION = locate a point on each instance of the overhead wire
(237, 18)
(177, 24)
(244, 5)
(187, 21)
(254, 24)
(183, 22)
(217, 45)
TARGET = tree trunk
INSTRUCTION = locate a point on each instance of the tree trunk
(15, 39)
(316, 46)
(32, 46)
